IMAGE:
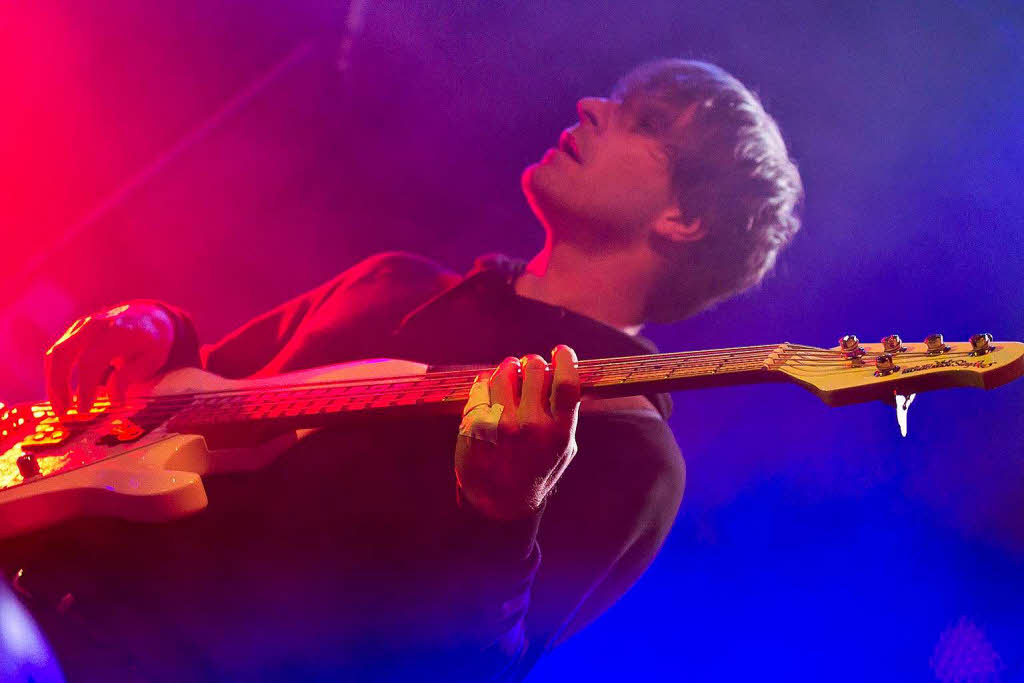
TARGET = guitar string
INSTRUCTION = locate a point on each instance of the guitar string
(289, 392)
(292, 392)
(462, 373)
(637, 366)
(600, 369)
(437, 376)
(639, 370)
(828, 357)
(448, 392)
(208, 419)
(319, 404)
(824, 356)
(208, 415)
(452, 392)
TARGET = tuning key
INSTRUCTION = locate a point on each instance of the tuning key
(893, 344)
(884, 365)
(981, 344)
(851, 349)
(935, 344)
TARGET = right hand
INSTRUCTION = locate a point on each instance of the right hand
(116, 348)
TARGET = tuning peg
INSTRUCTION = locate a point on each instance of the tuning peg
(980, 343)
(935, 344)
(884, 365)
(893, 344)
(850, 347)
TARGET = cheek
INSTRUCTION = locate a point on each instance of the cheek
(638, 185)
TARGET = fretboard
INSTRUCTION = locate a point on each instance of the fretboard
(441, 391)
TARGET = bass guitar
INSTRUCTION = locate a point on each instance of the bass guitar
(144, 460)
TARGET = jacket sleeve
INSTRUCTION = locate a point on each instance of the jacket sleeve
(492, 565)
(602, 527)
(347, 318)
(605, 523)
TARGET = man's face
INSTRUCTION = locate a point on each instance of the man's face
(607, 180)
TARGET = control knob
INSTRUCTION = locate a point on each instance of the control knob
(28, 466)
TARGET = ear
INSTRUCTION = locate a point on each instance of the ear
(671, 225)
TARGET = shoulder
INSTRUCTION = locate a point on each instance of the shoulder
(353, 314)
(397, 266)
(389, 276)
(494, 262)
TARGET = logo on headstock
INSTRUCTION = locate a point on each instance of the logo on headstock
(951, 363)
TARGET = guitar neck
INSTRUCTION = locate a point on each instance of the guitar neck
(445, 391)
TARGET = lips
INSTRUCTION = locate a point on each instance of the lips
(567, 143)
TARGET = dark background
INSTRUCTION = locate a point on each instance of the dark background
(215, 155)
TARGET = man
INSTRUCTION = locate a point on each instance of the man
(672, 194)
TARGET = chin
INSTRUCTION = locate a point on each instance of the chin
(526, 179)
(537, 179)
(533, 189)
(539, 183)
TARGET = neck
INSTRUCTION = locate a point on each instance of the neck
(609, 287)
(315, 404)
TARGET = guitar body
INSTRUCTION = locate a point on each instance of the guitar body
(157, 477)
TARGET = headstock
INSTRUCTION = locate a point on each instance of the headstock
(853, 372)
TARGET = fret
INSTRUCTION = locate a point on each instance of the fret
(381, 401)
(453, 394)
(721, 364)
(319, 405)
(416, 395)
(293, 408)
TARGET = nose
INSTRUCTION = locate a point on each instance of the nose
(592, 110)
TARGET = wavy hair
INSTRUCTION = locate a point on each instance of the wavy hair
(728, 166)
